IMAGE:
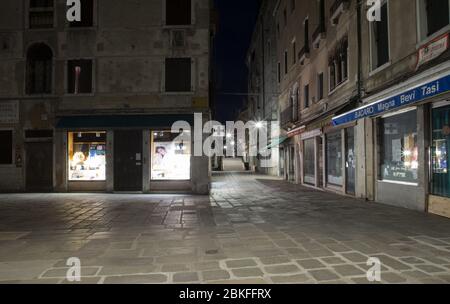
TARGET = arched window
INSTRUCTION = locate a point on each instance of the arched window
(39, 69)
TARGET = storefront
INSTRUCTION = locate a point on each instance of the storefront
(411, 124)
(128, 153)
(340, 159)
(439, 199)
(312, 158)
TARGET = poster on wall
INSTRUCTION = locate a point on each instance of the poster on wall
(171, 161)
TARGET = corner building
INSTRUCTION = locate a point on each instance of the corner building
(88, 106)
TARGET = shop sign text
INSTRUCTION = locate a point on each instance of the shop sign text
(415, 95)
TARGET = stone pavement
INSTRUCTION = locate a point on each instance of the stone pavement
(252, 229)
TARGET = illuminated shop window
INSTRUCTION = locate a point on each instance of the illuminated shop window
(441, 151)
(87, 156)
(399, 149)
(171, 156)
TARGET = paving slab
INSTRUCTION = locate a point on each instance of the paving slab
(250, 229)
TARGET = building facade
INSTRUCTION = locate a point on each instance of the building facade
(262, 101)
(88, 105)
(317, 73)
(363, 102)
(405, 109)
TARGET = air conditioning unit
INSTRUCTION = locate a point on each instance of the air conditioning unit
(178, 38)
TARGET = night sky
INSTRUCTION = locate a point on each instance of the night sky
(236, 21)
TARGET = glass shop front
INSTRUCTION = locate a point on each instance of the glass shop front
(171, 156)
(87, 156)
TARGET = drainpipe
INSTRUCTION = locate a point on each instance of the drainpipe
(359, 37)
(359, 7)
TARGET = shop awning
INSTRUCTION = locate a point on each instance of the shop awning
(122, 121)
(409, 97)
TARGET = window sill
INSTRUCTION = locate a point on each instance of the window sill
(38, 95)
(398, 182)
(79, 95)
(46, 29)
(380, 68)
(178, 93)
(80, 28)
(178, 27)
(338, 87)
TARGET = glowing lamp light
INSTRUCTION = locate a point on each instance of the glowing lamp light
(259, 125)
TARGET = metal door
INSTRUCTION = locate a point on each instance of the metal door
(128, 160)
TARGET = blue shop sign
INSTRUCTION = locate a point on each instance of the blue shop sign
(412, 96)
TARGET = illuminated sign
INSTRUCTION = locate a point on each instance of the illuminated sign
(412, 96)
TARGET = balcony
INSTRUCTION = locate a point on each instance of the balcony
(337, 9)
(303, 54)
(289, 117)
(319, 34)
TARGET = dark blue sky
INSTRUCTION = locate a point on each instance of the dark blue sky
(236, 22)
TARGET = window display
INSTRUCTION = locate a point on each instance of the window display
(309, 161)
(399, 149)
(171, 156)
(440, 151)
(87, 156)
(334, 159)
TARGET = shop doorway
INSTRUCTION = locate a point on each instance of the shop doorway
(440, 175)
(39, 166)
(128, 160)
(350, 161)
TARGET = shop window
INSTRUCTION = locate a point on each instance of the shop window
(380, 39)
(6, 148)
(178, 12)
(178, 74)
(41, 14)
(334, 159)
(87, 156)
(79, 76)
(39, 69)
(434, 16)
(398, 148)
(87, 15)
(171, 156)
(441, 152)
(309, 161)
